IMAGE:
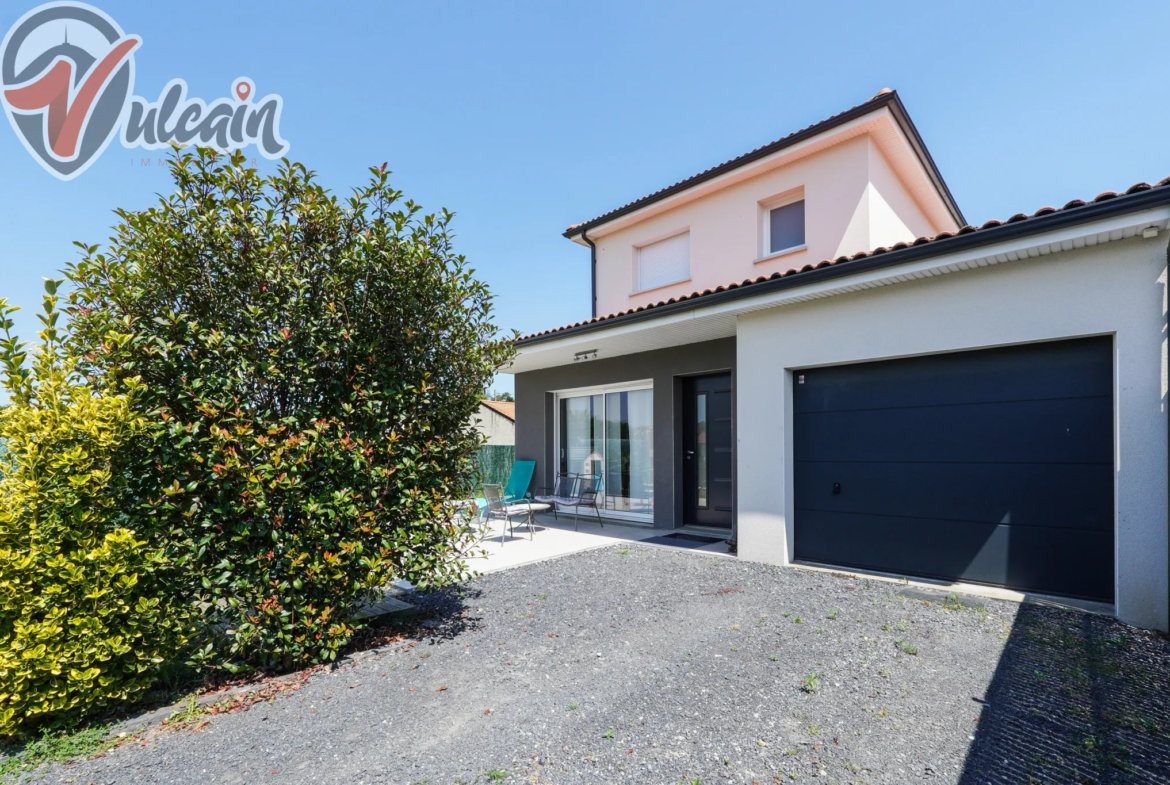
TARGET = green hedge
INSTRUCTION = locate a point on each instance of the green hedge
(495, 463)
(250, 421)
(86, 611)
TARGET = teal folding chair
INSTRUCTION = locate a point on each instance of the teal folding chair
(517, 487)
(519, 480)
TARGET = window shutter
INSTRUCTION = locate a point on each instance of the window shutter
(787, 229)
(663, 262)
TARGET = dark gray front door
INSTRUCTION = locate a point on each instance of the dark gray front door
(707, 456)
(992, 466)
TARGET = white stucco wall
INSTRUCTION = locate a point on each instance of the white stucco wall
(496, 427)
(725, 228)
(1118, 288)
(894, 215)
(854, 201)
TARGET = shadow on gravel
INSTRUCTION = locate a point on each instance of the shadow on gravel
(1076, 698)
(444, 613)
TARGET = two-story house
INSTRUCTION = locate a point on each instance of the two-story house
(807, 348)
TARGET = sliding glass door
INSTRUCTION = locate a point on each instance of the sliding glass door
(609, 435)
(581, 448)
(629, 451)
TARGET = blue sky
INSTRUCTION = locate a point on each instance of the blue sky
(524, 118)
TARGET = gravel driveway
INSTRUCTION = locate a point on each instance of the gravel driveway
(635, 664)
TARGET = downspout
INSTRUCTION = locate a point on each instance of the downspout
(593, 272)
(1166, 410)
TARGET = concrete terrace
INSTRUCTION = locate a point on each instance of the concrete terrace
(555, 537)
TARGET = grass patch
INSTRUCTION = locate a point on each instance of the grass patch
(496, 775)
(192, 713)
(56, 747)
(906, 646)
(952, 602)
(812, 683)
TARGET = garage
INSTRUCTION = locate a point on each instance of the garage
(992, 466)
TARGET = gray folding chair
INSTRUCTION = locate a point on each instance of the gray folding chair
(564, 491)
(588, 496)
(499, 510)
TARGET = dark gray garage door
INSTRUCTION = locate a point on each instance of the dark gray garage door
(992, 466)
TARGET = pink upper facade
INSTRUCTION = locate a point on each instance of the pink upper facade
(865, 183)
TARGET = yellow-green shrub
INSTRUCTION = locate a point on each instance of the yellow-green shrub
(85, 612)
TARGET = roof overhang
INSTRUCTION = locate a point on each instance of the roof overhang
(884, 118)
(715, 315)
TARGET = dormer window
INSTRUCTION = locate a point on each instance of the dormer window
(664, 262)
(786, 227)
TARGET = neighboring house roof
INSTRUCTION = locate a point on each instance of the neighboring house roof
(506, 408)
(1135, 197)
(888, 98)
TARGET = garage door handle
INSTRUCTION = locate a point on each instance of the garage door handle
(836, 489)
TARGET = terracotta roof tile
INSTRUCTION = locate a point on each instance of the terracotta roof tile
(990, 225)
(506, 408)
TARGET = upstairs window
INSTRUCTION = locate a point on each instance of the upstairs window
(786, 227)
(664, 262)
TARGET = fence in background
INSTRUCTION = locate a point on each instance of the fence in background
(495, 463)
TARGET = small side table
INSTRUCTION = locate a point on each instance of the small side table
(533, 508)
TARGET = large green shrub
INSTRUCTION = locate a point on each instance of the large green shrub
(310, 365)
(85, 612)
